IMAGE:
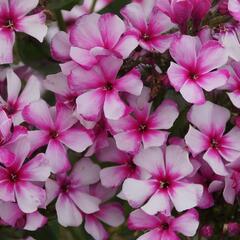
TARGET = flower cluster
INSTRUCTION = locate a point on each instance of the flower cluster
(141, 123)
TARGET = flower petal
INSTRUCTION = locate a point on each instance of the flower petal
(111, 28)
(7, 39)
(214, 160)
(185, 195)
(33, 25)
(38, 114)
(57, 156)
(29, 197)
(67, 212)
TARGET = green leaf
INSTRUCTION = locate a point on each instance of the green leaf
(115, 6)
(36, 55)
(63, 4)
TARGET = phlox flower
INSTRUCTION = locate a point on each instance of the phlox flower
(126, 168)
(167, 186)
(110, 213)
(143, 127)
(195, 66)
(56, 128)
(17, 99)
(73, 197)
(164, 227)
(209, 138)
(14, 18)
(93, 36)
(101, 88)
(150, 25)
(14, 217)
(17, 178)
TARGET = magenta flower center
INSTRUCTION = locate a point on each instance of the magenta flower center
(13, 177)
(214, 143)
(164, 184)
(142, 128)
(65, 187)
(165, 226)
(194, 76)
(54, 134)
(108, 86)
(146, 37)
(8, 24)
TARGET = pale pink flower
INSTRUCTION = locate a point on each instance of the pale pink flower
(17, 177)
(234, 9)
(102, 87)
(17, 99)
(164, 227)
(14, 217)
(95, 35)
(210, 120)
(195, 66)
(168, 186)
(150, 24)
(73, 198)
(14, 18)
(109, 213)
(144, 128)
(55, 131)
(114, 176)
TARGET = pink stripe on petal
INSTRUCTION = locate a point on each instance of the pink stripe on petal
(23, 7)
(154, 138)
(6, 190)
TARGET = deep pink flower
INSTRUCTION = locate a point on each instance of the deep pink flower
(17, 179)
(163, 227)
(150, 24)
(73, 198)
(16, 101)
(114, 176)
(211, 120)
(167, 187)
(143, 127)
(56, 130)
(102, 87)
(207, 231)
(181, 11)
(233, 229)
(13, 216)
(95, 35)
(195, 66)
(13, 18)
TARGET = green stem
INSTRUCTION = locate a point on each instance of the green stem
(60, 20)
(93, 6)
